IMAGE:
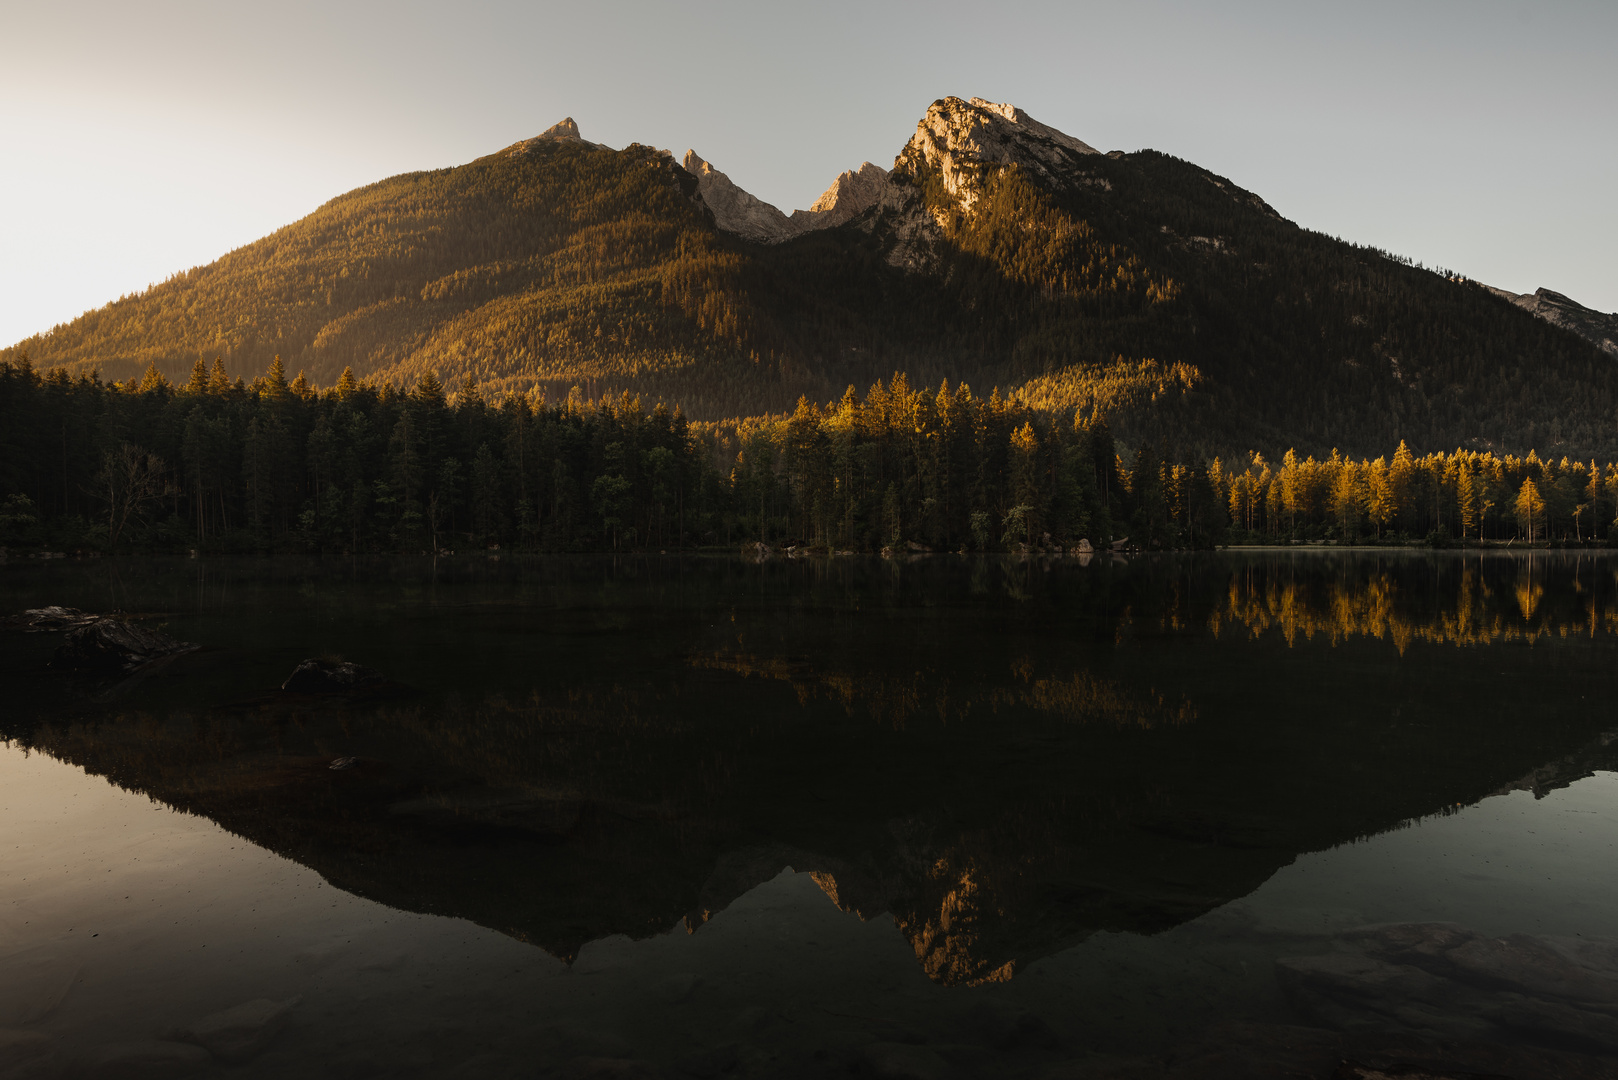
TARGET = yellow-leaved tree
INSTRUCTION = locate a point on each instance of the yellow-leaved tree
(1529, 507)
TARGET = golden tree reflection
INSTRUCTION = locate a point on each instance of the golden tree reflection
(1382, 606)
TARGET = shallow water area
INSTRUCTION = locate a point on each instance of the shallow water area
(1188, 816)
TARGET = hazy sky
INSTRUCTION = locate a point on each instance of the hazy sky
(144, 138)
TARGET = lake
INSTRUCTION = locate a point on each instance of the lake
(1261, 813)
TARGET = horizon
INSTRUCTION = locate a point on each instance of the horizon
(1282, 103)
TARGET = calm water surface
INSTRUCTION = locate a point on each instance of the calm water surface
(706, 817)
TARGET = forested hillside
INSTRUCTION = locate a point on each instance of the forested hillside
(1135, 287)
(225, 466)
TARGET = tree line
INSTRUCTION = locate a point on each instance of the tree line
(282, 465)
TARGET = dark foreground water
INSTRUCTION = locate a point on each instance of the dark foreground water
(1256, 814)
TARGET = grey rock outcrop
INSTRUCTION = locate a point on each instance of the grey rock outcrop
(962, 144)
(735, 210)
(963, 140)
(851, 194)
(1596, 327)
(563, 131)
(960, 141)
(738, 211)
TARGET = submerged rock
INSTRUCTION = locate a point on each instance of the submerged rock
(111, 646)
(1425, 978)
(332, 677)
(38, 620)
(239, 1034)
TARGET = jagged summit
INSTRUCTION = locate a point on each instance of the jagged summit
(564, 130)
(851, 193)
(998, 251)
(734, 210)
(743, 214)
(962, 138)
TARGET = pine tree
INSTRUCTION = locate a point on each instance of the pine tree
(153, 382)
(198, 383)
(275, 381)
(218, 381)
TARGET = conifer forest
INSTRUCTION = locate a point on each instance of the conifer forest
(274, 465)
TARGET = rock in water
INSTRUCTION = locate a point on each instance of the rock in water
(110, 646)
(332, 677)
(237, 1035)
(1532, 966)
(37, 620)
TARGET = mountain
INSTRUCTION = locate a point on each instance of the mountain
(744, 215)
(997, 250)
(1596, 327)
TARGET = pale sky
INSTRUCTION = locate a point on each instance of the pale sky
(145, 138)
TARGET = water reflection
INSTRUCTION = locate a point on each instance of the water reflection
(1005, 757)
(1478, 601)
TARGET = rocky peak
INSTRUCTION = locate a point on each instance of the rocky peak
(734, 210)
(850, 194)
(962, 138)
(565, 130)
(1596, 327)
(958, 139)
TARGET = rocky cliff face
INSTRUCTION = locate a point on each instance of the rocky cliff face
(958, 143)
(957, 148)
(1596, 327)
(739, 212)
(850, 194)
(734, 210)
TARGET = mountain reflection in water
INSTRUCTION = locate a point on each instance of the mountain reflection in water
(1006, 756)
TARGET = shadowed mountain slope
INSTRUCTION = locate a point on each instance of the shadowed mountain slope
(998, 251)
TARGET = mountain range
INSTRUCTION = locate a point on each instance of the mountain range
(997, 251)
